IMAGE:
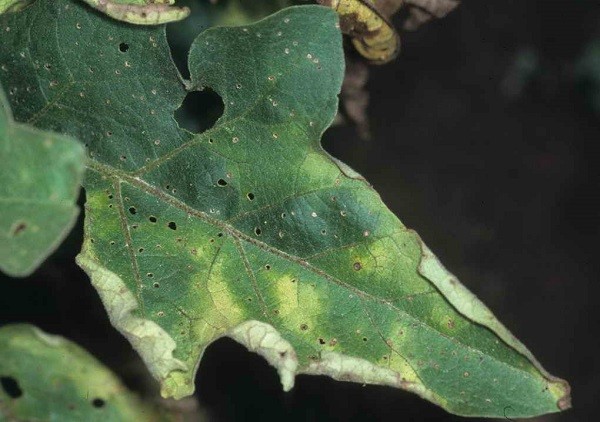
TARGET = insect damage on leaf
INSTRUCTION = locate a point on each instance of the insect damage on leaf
(372, 34)
(141, 12)
(250, 229)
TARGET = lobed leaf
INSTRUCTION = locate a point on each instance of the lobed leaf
(250, 230)
(41, 173)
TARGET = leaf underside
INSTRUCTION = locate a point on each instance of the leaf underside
(45, 377)
(250, 229)
(37, 207)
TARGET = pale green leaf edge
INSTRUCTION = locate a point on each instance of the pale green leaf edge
(467, 304)
(141, 12)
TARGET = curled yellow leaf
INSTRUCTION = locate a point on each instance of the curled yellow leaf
(372, 34)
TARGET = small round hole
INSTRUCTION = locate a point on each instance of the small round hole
(250, 196)
(98, 403)
(172, 225)
(123, 47)
(11, 387)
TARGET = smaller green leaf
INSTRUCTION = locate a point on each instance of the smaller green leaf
(40, 177)
(141, 12)
(45, 377)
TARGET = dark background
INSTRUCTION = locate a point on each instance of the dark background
(484, 141)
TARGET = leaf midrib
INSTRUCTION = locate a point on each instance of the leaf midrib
(120, 176)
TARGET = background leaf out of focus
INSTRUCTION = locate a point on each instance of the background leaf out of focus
(484, 136)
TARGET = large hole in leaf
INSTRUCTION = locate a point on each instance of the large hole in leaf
(199, 111)
(11, 387)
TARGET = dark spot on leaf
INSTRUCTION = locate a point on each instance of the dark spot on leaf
(357, 266)
(98, 403)
(152, 219)
(123, 47)
(221, 182)
(250, 196)
(257, 231)
(172, 225)
(19, 228)
(11, 387)
(219, 234)
(304, 327)
(132, 210)
(282, 354)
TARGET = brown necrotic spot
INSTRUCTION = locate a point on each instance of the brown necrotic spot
(357, 266)
(304, 327)
(18, 228)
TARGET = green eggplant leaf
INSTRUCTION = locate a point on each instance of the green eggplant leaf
(249, 229)
(45, 377)
(40, 176)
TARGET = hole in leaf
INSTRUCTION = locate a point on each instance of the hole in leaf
(152, 219)
(357, 266)
(267, 267)
(172, 225)
(199, 111)
(11, 387)
(98, 402)
(123, 47)
(150, 275)
(321, 341)
(132, 210)
(219, 234)
(250, 196)
(304, 327)
(221, 182)
(257, 231)
(156, 285)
